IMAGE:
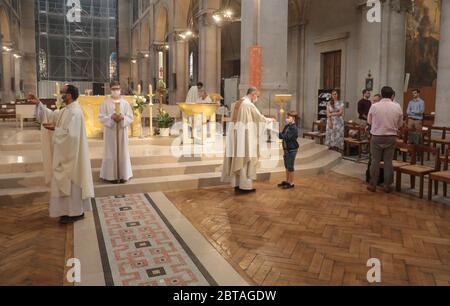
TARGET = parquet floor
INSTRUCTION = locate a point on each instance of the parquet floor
(323, 233)
(32, 246)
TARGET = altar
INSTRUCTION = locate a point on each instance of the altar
(91, 109)
(199, 114)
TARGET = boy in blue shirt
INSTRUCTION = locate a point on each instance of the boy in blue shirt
(290, 147)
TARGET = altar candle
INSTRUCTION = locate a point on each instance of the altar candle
(150, 93)
(58, 91)
(139, 89)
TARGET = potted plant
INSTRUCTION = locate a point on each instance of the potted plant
(164, 123)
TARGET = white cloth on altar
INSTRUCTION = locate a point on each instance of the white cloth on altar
(244, 136)
(109, 164)
(69, 168)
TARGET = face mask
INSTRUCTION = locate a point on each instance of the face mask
(115, 93)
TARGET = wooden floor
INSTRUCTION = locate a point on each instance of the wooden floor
(324, 232)
(32, 246)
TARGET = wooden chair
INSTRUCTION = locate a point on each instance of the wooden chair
(318, 132)
(414, 170)
(442, 176)
(443, 141)
(405, 149)
(359, 141)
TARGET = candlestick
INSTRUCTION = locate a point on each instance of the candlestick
(139, 89)
(150, 90)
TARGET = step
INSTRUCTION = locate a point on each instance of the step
(173, 182)
(20, 145)
(20, 180)
(31, 161)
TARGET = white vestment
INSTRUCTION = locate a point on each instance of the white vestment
(111, 133)
(242, 152)
(192, 96)
(206, 100)
(66, 161)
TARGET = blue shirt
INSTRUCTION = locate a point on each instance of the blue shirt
(416, 109)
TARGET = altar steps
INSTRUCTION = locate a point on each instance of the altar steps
(161, 173)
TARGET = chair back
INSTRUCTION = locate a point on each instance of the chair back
(408, 149)
(441, 129)
(355, 127)
(446, 160)
(319, 126)
(421, 150)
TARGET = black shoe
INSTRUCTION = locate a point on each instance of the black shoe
(284, 183)
(244, 191)
(289, 186)
(64, 220)
(75, 219)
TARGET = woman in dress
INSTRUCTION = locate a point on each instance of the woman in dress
(335, 123)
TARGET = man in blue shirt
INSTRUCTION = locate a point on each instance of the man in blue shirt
(416, 109)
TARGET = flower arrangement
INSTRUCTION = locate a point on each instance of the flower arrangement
(139, 103)
(164, 120)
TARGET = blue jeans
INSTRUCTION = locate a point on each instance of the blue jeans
(289, 160)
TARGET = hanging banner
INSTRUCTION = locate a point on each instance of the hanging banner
(255, 66)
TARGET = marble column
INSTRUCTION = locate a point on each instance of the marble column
(209, 47)
(443, 84)
(265, 23)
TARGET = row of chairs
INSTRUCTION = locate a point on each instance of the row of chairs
(416, 168)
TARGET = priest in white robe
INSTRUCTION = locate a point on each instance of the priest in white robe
(116, 116)
(193, 95)
(204, 97)
(244, 136)
(66, 157)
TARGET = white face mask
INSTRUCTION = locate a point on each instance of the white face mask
(115, 93)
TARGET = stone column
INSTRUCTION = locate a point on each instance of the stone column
(181, 69)
(7, 75)
(382, 50)
(443, 85)
(124, 44)
(396, 58)
(28, 68)
(209, 47)
(265, 23)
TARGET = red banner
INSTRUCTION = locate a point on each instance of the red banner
(255, 66)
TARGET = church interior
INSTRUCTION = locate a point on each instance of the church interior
(185, 69)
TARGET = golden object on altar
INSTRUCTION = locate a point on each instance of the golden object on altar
(282, 100)
(205, 111)
(216, 98)
(91, 110)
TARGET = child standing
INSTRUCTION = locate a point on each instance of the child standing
(290, 147)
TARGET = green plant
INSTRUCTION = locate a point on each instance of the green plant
(164, 120)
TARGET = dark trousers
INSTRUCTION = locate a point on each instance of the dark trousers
(382, 149)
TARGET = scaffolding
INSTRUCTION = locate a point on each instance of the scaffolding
(71, 51)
